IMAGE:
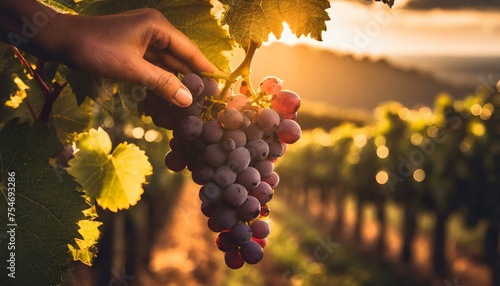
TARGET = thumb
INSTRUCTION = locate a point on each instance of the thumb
(163, 83)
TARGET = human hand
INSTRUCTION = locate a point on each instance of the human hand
(139, 46)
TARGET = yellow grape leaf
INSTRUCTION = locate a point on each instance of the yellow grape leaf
(86, 248)
(19, 96)
(113, 180)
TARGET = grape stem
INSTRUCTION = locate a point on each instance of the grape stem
(243, 70)
(50, 93)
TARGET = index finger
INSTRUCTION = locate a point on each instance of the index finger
(182, 47)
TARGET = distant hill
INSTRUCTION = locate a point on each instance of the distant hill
(342, 81)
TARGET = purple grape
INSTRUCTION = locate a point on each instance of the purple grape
(272, 179)
(238, 159)
(225, 217)
(263, 192)
(249, 178)
(194, 83)
(224, 242)
(233, 259)
(268, 118)
(235, 195)
(252, 252)
(224, 176)
(237, 135)
(189, 127)
(260, 229)
(265, 167)
(212, 192)
(258, 149)
(288, 131)
(215, 155)
(212, 131)
(250, 209)
(241, 233)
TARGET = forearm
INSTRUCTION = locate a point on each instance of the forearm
(31, 26)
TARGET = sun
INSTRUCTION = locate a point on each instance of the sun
(287, 37)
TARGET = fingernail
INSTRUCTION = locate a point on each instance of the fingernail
(183, 97)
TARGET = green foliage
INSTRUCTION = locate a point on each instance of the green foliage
(194, 18)
(254, 20)
(47, 204)
(68, 118)
(113, 180)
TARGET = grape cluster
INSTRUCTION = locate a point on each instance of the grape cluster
(230, 146)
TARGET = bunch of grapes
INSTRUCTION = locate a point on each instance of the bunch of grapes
(230, 146)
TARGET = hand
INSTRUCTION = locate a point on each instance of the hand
(138, 46)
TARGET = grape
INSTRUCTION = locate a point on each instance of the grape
(203, 175)
(239, 159)
(225, 217)
(237, 135)
(215, 155)
(276, 148)
(285, 102)
(239, 102)
(241, 233)
(230, 118)
(224, 176)
(207, 208)
(235, 195)
(233, 258)
(194, 83)
(211, 89)
(252, 252)
(272, 179)
(153, 104)
(249, 178)
(224, 242)
(263, 192)
(264, 211)
(175, 161)
(243, 87)
(271, 85)
(269, 119)
(288, 131)
(253, 131)
(260, 229)
(190, 127)
(265, 167)
(213, 225)
(261, 241)
(230, 147)
(258, 149)
(249, 209)
(212, 192)
(212, 131)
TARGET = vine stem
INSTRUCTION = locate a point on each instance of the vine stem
(34, 73)
(49, 93)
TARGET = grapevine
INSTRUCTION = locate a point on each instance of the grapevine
(230, 144)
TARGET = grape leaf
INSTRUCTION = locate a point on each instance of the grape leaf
(68, 118)
(195, 20)
(254, 20)
(113, 180)
(47, 204)
(106, 7)
(85, 249)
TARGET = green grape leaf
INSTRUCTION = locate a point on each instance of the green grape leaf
(106, 7)
(254, 20)
(68, 118)
(113, 180)
(388, 2)
(47, 204)
(195, 20)
(85, 85)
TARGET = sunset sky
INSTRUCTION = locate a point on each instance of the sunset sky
(412, 27)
